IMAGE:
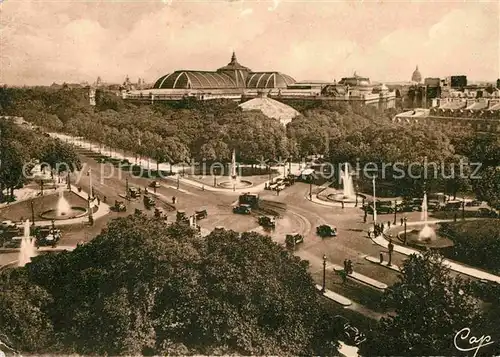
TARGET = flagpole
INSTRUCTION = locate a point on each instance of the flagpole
(374, 204)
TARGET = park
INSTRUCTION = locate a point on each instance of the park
(358, 233)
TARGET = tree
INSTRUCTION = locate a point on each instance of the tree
(142, 287)
(430, 308)
(487, 186)
(60, 156)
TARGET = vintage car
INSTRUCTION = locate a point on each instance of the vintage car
(120, 206)
(154, 184)
(268, 222)
(326, 231)
(291, 240)
(201, 214)
(242, 209)
(351, 335)
(149, 202)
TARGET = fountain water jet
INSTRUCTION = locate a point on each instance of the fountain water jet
(427, 233)
(28, 249)
(348, 194)
(347, 184)
(63, 206)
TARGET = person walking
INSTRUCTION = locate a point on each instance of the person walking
(401, 220)
(369, 233)
(98, 200)
(388, 224)
(173, 200)
(391, 249)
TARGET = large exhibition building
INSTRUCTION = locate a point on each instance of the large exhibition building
(240, 83)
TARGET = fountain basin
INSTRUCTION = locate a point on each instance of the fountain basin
(340, 197)
(73, 212)
(235, 184)
(414, 238)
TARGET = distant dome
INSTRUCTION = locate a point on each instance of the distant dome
(416, 76)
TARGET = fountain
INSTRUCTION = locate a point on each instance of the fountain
(235, 182)
(348, 194)
(427, 236)
(63, 210)
(28, 249)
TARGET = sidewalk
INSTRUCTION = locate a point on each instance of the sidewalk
(457, 267)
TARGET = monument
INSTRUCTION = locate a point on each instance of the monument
(234, 182)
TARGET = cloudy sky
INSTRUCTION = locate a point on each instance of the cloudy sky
(73, 41)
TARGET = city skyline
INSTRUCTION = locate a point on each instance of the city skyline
(42, 43)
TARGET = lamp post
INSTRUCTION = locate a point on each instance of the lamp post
(463, 208)
(290, 165)
(324, 274)
(310, 189)
(356, 193)
(68, 180)
(395, 211)
(374, 205)
(178, 179)
(404, 220)
(127, 193)
(32, 213)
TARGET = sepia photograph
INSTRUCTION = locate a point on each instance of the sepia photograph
(249, 178)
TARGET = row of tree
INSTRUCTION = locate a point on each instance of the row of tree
(19, 147)
(176, 132)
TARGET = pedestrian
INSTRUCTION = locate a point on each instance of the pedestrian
(104, 199)
(401, 220)
(381, 257)
(364, 218)
(203, 187)
(369, 234)
(342, 204)
(391, 249)
(388, 224)
(350, 270)
(343, 275)
(381, 227)
(98, 201)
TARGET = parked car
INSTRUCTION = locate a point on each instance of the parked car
(352, 336)
(242, 209)
(326, 231)
(474, 203)
(291, 240)
(486, 212)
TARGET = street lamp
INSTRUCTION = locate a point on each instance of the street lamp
(374, 205)
(178, 179)
(324, 274)
(32, 213)
(404, 220)
(310, 189)
(395, 211)
(463, 208)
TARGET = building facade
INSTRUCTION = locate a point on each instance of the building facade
(237, 82)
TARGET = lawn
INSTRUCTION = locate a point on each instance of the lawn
(477, 243)
(22, 210)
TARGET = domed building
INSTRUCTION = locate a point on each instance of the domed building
(416, 76)
(361, 83)
(231, 76)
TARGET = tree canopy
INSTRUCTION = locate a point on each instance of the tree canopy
(430, 307)
(142, 287)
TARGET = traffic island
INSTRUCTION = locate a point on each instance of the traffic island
(362, 278)
(339, 299)
(383, 264)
